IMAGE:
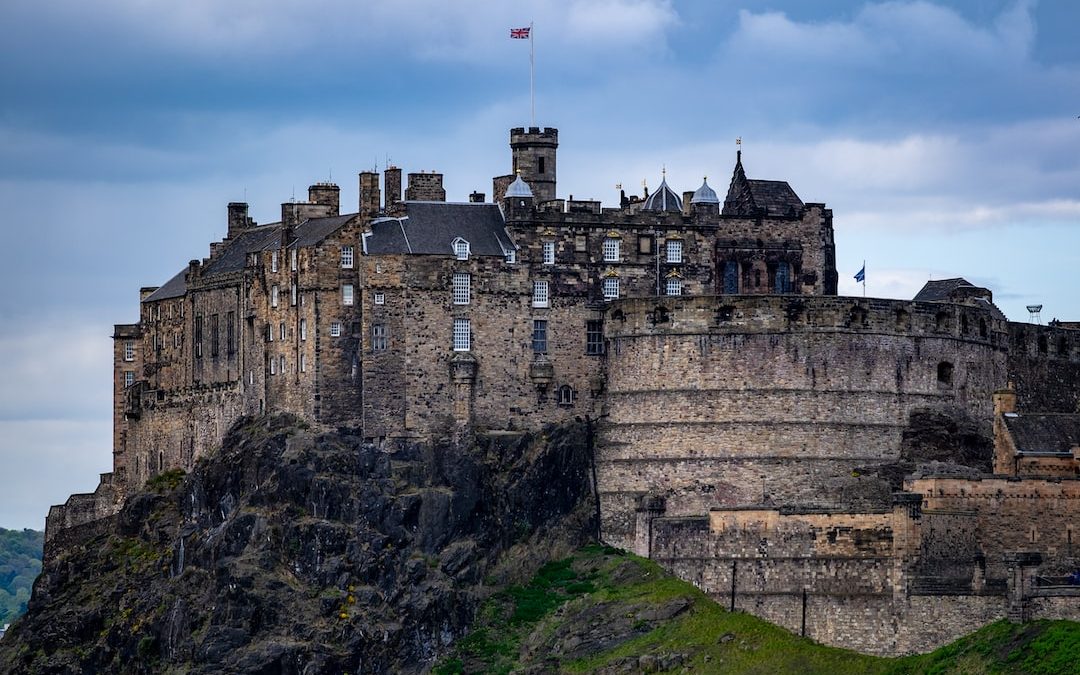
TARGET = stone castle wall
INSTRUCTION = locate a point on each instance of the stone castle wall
(721, 401)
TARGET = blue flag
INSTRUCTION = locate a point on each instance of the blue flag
(861, 274)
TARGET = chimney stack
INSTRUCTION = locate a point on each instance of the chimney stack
(326, 194)
(238, 219)
(370, 199)
(392, 185)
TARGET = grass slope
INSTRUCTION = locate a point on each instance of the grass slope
(604, 610)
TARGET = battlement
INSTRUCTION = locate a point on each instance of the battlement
(538, 135)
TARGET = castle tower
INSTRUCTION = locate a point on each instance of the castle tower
(533, 151)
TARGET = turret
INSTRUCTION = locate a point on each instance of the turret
(518, 203)
(533, 152)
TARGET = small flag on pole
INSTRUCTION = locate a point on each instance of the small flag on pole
(520, 33)
(861, 274)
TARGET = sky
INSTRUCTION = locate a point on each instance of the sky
(944, 136)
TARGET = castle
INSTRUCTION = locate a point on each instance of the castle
(741, 404)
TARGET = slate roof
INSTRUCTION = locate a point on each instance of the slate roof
(705, 194)
(1044, 432)
(233, 257)
(752, 197)
(941, 289)
(664, 199)
(429, 228)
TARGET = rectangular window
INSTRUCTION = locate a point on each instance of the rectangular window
(539, 336)
(549, 252)
(230, 333)
(674, 286)
(510, 256)
(273, 296)
(347, 257)
(303, 329)
(129, 350)
(674, 251)
(541, 297)
(178, 339)
(214, 334)
(462, 288)
(292, 294)
(461, 249)
(282, 331)
(303, 363)
(292, 259)
(269, 332)
(129, 378)
(281, 363)
(379, 338)
(335, 329)
(783, 278)
(462, 335)
(198, 337)
(380, 298)
(731, 277)
(611, 288)
(273, 261)
(594, 337)
(611, 250)
(347, 294)
(273, 366)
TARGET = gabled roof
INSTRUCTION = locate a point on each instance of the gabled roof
(429, 228)
(234, 254)
(1044, 432)
(941, 290)
(748, 197)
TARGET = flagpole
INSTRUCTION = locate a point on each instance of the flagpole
(532, 75)
(864, 279)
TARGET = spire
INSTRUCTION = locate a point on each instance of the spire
(739, 190)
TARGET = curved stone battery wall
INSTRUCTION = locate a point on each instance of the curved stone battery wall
(725, 401)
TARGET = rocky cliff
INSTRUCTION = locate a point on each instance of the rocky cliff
(290, 551)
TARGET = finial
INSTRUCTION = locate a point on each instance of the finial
(518, 172)
(663, 170)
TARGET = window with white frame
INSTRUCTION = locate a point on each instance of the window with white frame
(129, 350)
(281, 363)
(462, 335)
(292, 293)
(129, 378)
(566, 395)
(462, 288)
(611, 249)
(674, 251)
(511, 256)
(335, 329)
(380, 298)
(347, 257)
(380, 338)
(540, 336)
(273, 261)
(549, 252)
(282, 331)
(347, 294)
(303, 329)
(292, 259)
(541, 295)
(611, 288)
(273, 296)
(674, 286)
(461, 249)
(273, 366)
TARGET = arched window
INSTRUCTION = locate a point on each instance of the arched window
(566, 395)
(945, 373)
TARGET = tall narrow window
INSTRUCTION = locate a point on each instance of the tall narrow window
(282, 331)
(566, 395)
(461, 249)
(273, 366)
(674, 250)
(273, 261)
(129, 350)
(462, 288)
(462, 335)
(541, 297)
(594, 337)
(379, 338)
(347, 257)
(540, 336)
(198, 337)
(611, 250)
(540, 165)
(549, 252)
(230, 333)
(303, 363)
(731, 277)
(292, 295)
(783, 278)
(292, 260)
(269, 332)
(213, 336)
(129, 378)
(611, 288)
(281, 363)
(273, 295)
(674, 286)
(347, 294)
(303, 329)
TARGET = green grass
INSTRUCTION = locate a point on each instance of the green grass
(712, 639)
(166, 481)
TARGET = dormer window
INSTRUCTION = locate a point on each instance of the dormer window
(511, 256)
(461, 248)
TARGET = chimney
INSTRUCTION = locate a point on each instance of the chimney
(370, 199)
(477, 197)
(326, 194)
(425, 187)
(392, 185)
(292, 214)
(238, 219)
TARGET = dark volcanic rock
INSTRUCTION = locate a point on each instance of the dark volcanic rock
(290, 552)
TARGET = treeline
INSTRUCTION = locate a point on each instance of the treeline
(20, 563)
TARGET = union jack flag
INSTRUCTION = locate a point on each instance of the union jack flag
(520, 33)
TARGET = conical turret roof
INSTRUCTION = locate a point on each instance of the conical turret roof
(664, 199)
